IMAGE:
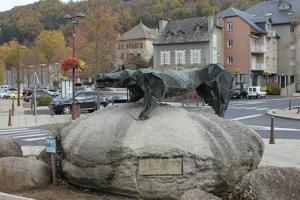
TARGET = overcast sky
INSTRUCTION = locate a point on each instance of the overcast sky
(9, 4)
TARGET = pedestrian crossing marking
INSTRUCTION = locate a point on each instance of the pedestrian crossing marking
(267, 128)
(262, 109)
(26, 134)
(247, 108)
(35, 139)
(246, 117)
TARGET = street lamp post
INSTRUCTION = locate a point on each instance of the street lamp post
(74, 22)
(18, 74)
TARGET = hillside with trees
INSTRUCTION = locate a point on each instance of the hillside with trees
(97, 34)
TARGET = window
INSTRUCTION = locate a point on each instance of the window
(121, 46)
(130, 46)
(214, 40)
(292, 79)
(195, 56)
(268, 27)
(229, 60)
(165, 57)
(229, 43)
(229, 26)
(292, 28)
(214, 56)
(180, 57)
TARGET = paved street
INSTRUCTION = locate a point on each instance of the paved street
(253, 112)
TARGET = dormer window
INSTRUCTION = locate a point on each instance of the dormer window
(170, 34)
(198, 27)
(284, 5)
(180, 33)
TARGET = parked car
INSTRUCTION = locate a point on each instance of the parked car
(239, 94)
(116, 98)
(54, 92)
(12, 95)
(5, 92)
(256, 91)
(5, 87)
(86, 99)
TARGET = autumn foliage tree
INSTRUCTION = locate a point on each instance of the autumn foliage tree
(51, 44)
(98, 34)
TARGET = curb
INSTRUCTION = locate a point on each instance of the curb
(270, 112)
(4, 196)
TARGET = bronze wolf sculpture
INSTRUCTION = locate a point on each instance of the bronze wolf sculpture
(213, 83)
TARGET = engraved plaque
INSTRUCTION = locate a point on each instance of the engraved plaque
(160, 166)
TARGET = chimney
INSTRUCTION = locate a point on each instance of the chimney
(162, 23)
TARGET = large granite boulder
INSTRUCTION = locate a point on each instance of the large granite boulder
(23, 173)
(9, 147)
(269, 183)
(173, 151)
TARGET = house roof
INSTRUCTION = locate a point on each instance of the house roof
(251, 20)
(187, 30)
(140, 31)
(272, 8)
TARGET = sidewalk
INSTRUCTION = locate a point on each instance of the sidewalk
(23, 117)
(285, 113)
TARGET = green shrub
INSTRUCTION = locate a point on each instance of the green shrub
(44, 100)
(273, 88)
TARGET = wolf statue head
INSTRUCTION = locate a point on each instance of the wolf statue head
(116, 78)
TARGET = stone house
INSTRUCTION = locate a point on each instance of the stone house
(250, 48)
(285, 20)
(188, 42)
(135, 42)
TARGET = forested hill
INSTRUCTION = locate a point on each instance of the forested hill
(26, 22)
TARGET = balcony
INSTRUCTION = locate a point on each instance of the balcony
(258, 49)
(258, 67)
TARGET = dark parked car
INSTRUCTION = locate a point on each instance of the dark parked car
(116, 98)
(86, 99)
(239, 94)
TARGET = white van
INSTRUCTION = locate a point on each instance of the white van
(256, 91)
(5, 87)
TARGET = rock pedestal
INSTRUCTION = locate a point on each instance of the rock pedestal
(9, 147)
(173, 151)
(269, 183)
(23, 173)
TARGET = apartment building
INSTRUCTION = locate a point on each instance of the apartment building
(136, 42)
(250, 48)
(190, 42)
(285, 20)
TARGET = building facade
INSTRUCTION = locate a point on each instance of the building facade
(285, 20)
(135, 42)
(250, 48)
(188, 42)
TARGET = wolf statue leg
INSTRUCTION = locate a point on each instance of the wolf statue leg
(149, 102)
